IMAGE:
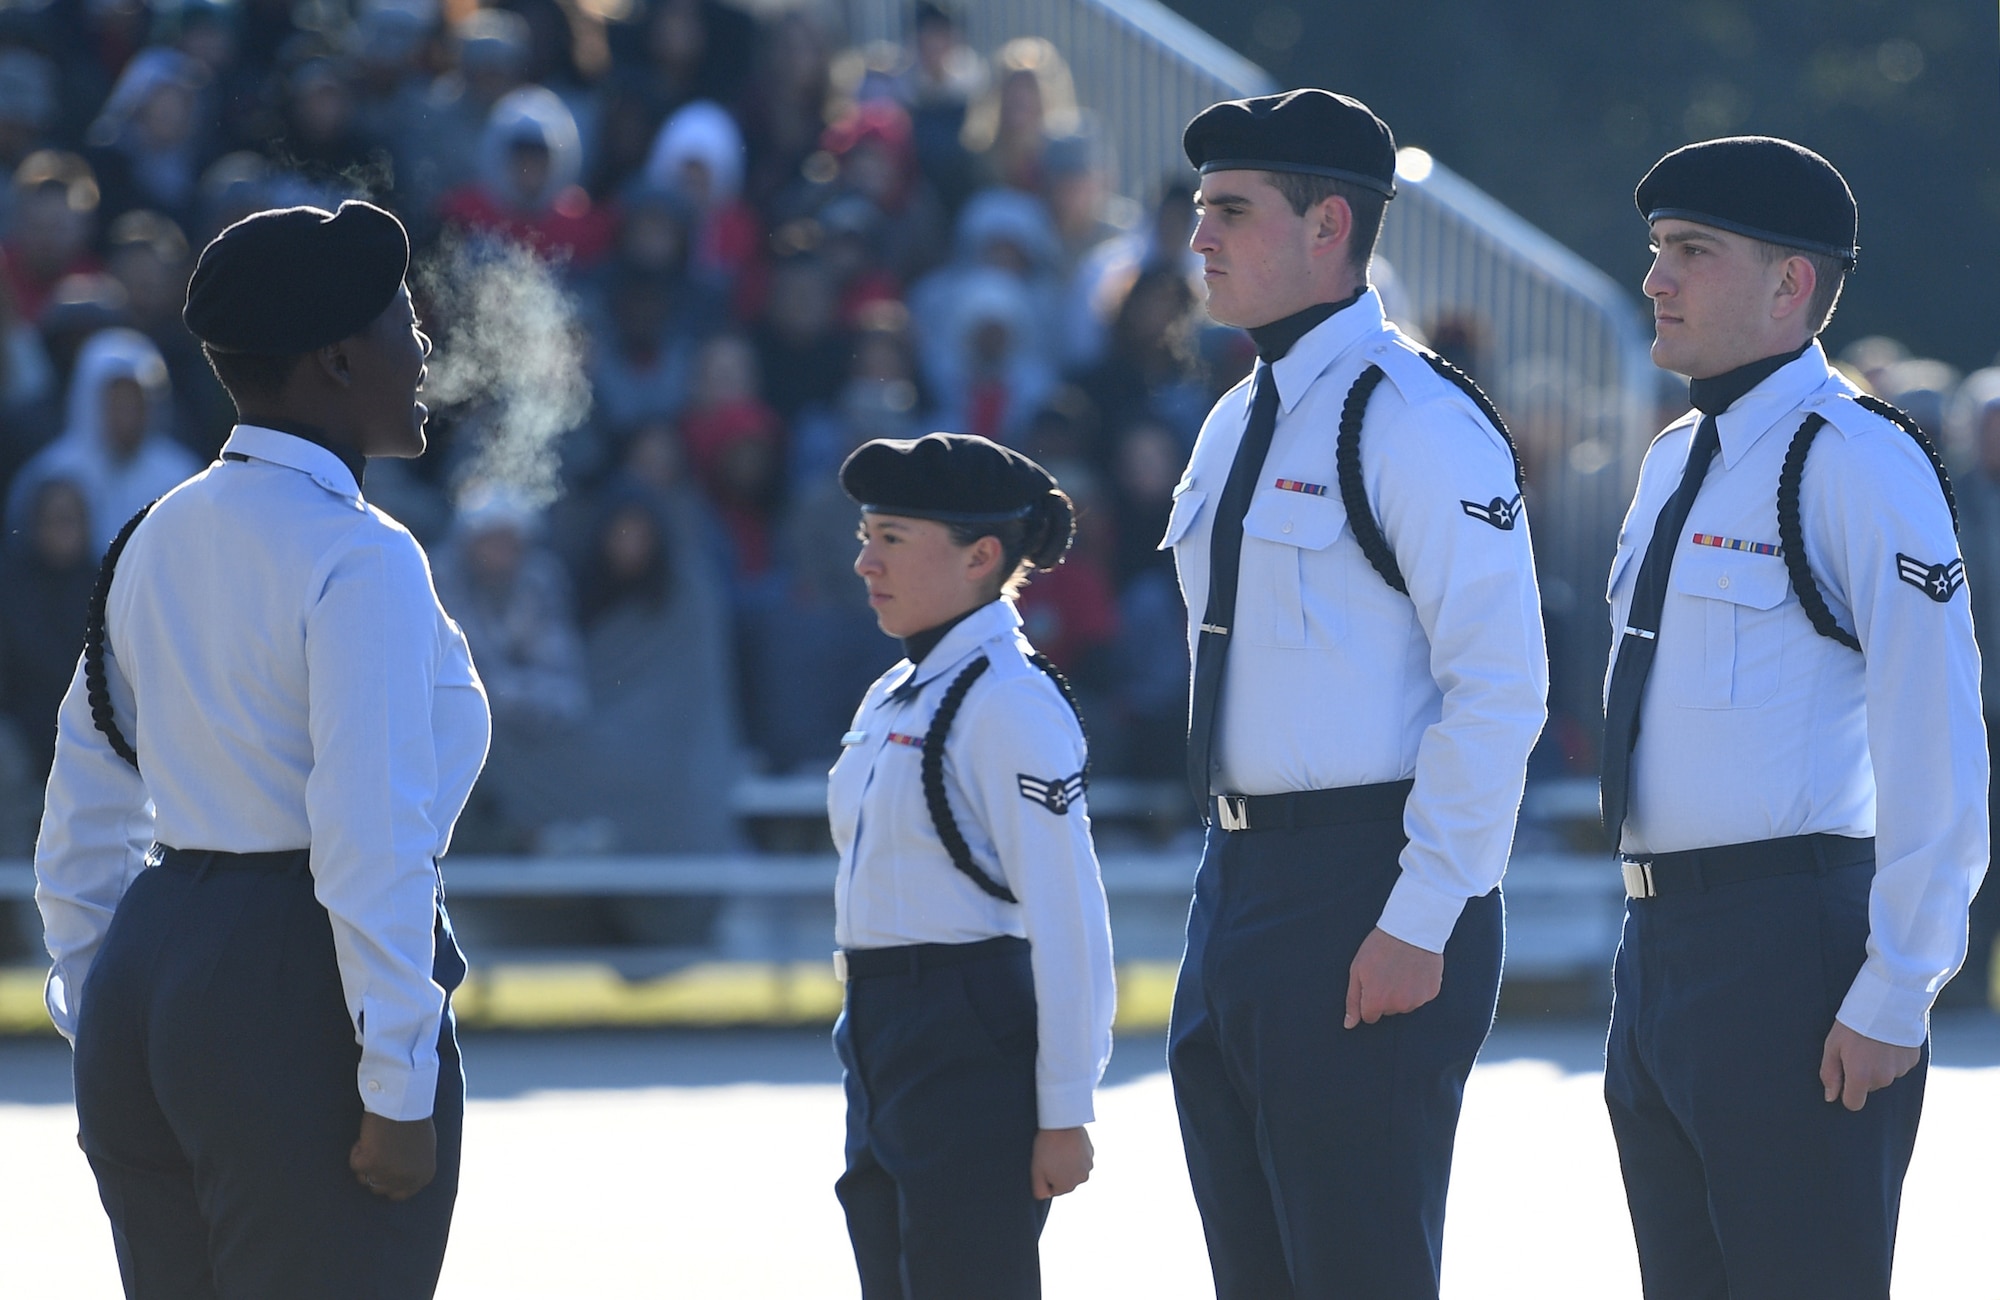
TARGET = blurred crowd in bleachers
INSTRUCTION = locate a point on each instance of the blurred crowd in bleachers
(779, 245)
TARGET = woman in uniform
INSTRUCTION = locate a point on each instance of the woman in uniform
(258, 763)
(968, 909)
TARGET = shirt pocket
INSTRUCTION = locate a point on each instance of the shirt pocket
(1741, 620)
(1624, 571)
(1190, 562)
(1293, 586)
(1187, 504)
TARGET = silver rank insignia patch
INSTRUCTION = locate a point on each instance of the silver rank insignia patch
(1056, 794)
(1938, 581)
(1498, 512)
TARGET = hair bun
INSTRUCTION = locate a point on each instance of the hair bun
(1055, 527)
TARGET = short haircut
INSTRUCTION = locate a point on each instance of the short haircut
(251, 376)
(1304, 191)
(1829, 277)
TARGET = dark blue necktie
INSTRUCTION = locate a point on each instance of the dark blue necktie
(1225, 554)
(1641, 638)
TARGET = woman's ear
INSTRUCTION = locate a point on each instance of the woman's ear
(982, 558)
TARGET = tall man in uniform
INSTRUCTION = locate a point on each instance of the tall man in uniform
(1369, 678)
(1794, 761)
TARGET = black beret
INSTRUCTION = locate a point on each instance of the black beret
(1312, 131)
(1755, 185)
(289, 280)
(955, 478)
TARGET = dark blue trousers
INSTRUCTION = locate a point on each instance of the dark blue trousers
(1320, 1156)
(215, 1089)
(941, 1122)
(1744, 1182)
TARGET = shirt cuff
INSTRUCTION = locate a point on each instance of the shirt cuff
(1420, 915)
(1881, 1010)
(56, 996)
(399, 1093)
(1064, 1105)
(395, 1081)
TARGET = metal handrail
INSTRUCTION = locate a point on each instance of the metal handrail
(1561, 348)
(1564, 354)
(1140, 69)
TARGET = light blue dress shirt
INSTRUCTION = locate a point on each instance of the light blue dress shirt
(1755, 727)
(279, 660)
(1336, 679)
(1013, 745)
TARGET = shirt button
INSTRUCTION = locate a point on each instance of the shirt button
(1723, 581)
(1288, 526)
(374, 1085)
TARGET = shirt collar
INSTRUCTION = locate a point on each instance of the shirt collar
(255, 442)
(1763, 407)
(1296, 370)
(997, 619)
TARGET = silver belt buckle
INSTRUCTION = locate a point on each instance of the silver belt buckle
(1232, 811)
(840, 965)
(1638, 878)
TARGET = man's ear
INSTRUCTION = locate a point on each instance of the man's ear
(1795, 288)
(1332, 224)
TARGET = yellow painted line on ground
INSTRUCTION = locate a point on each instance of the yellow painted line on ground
(21, 1009)
(584, 995)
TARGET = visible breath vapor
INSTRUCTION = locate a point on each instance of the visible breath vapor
(509, 359)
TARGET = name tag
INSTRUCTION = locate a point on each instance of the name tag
(852, 738)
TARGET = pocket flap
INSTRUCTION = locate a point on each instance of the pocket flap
(1187, 504)
(1739, 577)
(1621, 560)
(1299, 519)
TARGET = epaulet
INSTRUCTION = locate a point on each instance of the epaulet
(1007, 658)
(1846, 412)
(1424, 376)
(1855, 413)
(1405, 367)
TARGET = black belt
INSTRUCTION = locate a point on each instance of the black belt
(1296, 808)
(916, 958)
(199, 862)
(1691, 871)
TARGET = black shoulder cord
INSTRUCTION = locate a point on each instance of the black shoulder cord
(1904, 421)
(1479, 398)
(1791, 531)
(1347, 460)
(933, 769)
(1054, 674)
(96, 688)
